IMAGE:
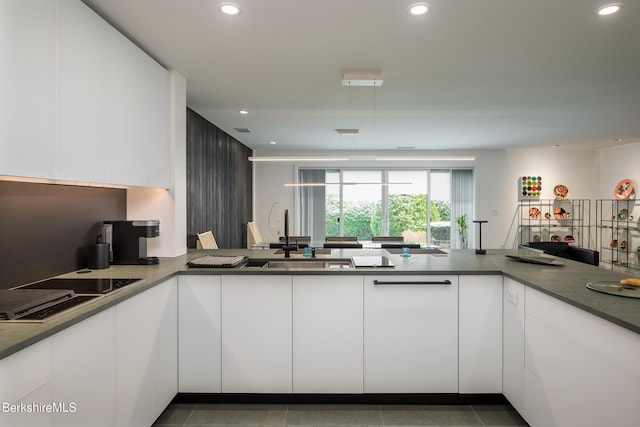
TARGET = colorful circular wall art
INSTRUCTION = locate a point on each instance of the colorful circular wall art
(624, 190)
(561, 192)
(530, 187)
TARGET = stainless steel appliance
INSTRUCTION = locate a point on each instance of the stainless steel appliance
(84, 286)
(129, 241)
(41, 301)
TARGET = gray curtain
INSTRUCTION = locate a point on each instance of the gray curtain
(311, 215)
(462, 203)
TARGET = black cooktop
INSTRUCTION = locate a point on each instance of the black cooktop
(83, 286)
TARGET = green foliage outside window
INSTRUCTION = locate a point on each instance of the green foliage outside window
(407, 212)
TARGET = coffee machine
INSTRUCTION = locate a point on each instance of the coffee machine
(128, 241)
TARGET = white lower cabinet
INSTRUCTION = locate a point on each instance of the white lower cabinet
(480, 334)
(411, 334)
(513, 344)
(256, 334)
(25, 379)
(327, 334)
(84, 371)
(166, 345)
(199, 334)
(145, 355)
(115, 368)
(579, 369)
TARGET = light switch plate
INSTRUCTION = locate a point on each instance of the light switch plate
(512, 296)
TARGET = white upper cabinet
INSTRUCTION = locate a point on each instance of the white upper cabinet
(82, 93)
(138, 112)
(28, 88)
(126, 114)
(78, 100)
(157, 126)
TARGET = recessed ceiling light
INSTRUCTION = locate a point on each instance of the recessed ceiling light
(243, 112)
(609, 9)
(229, 9)
(418, 9)
(272, 142)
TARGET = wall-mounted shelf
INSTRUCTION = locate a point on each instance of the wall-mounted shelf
(549, 220)
(618, 233)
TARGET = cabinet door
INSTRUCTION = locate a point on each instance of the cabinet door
(83, 39)
(166, 346)
(136, 365)
(138, 112)
(513, 344)
(411, 334)
(28, 88)
(26, 379)
(199, 334)
(256, 334)
(157, 164)
(327, 334)
(480, 359)
(84, 371)
(127, 149)
(579, 368)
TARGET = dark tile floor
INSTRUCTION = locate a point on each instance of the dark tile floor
(194, 415)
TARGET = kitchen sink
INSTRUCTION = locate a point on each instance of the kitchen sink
(298, 264)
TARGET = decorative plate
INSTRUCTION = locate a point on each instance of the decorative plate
(561, 192)
(560, 213)
(622, 214)
(624, 190)
(614, 288)
(534, 213)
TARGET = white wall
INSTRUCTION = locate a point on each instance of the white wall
(271, 196)
(618, 163)
(496, 172)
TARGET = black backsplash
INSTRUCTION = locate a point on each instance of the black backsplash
(45, 229)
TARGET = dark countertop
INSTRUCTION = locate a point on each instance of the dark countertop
(566, 283)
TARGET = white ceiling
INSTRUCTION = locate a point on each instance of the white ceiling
(471, 74)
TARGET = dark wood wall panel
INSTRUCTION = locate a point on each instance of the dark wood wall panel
(219, 184)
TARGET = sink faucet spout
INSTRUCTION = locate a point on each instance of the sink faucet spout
(287, 246)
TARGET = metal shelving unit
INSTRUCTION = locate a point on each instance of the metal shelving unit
(618, 233)
(548, 220)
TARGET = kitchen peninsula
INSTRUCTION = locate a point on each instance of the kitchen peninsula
(460, 325)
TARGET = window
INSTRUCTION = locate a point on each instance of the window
(415, 204)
